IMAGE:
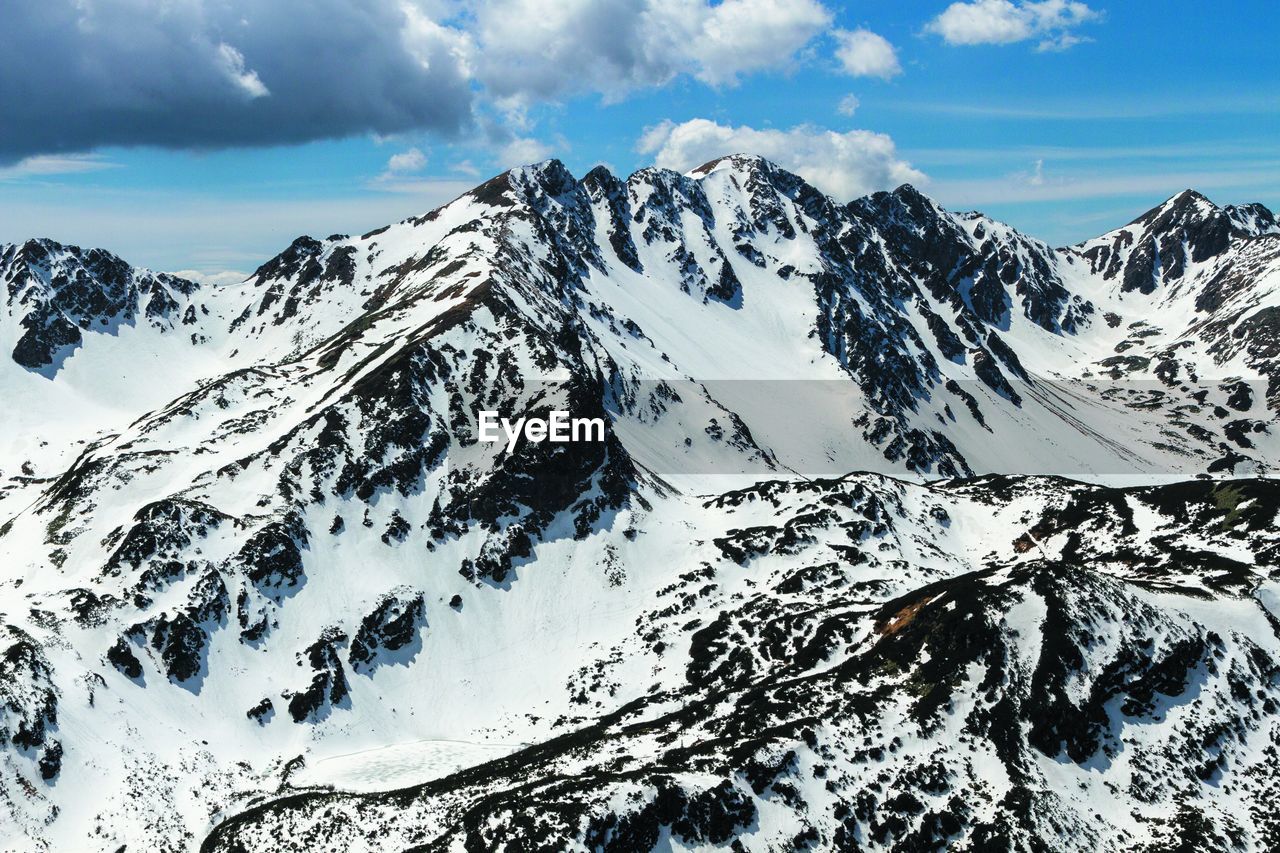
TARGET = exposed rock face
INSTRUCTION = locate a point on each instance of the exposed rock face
(392, 627)
(30, 702)
(943, 714)
(328, 687)
(57, 292)
(257, 583)
(1160, 246)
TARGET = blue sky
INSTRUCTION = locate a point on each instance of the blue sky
(206, 138)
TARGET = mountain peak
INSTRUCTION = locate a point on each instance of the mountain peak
(549, 177)
(1190, 196)
(909, 192)
(739, 162)
(290, 261)
(904, 205)
(914, 200)
(551, 171)
(600, 174)
(1186, 206)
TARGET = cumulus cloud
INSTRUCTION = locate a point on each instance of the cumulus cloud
(216, 73)
(848, 105)
(509, 148)
(1005, 22)
(213, 277)
(550, 48)
(843, 165)
(522, 150)
(863, 53)
(412, 160)
(399, 174)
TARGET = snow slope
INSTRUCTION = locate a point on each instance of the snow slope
(258, 572)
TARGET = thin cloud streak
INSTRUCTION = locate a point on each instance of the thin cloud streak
(429, 187)
(48, 165)
(1261, 179)
(1060, 153)
(1138, 108)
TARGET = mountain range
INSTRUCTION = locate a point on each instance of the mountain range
(908, 531)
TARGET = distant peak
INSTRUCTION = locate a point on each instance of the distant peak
(1188, 205)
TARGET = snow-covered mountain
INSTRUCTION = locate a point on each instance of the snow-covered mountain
(264, 589)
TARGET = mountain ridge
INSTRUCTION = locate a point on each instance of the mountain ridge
(273, 532)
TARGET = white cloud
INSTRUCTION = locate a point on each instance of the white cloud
(398, 176)
(848, 105)
(508, 148)
(655, 137)
(428, 41)
(529, 49)
(231, 62)
(1061, 42)
(412, 160)
(737, 36)
(53, 164)
(214, 277)
(1005, 22)
(1036, 178)
(1126, 106)
(863, 53)
(1244, 183)
(844, 165)
(523, 150)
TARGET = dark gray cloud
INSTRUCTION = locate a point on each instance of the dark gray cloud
(82, 74)
(76, 75)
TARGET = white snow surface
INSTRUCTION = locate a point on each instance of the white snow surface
(217, 413)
